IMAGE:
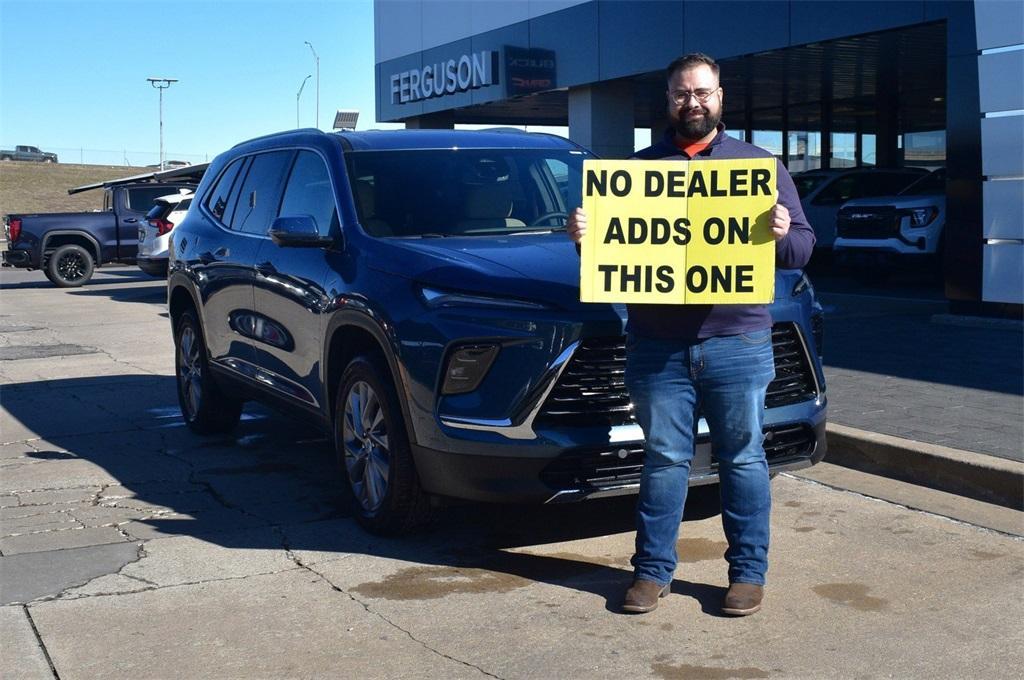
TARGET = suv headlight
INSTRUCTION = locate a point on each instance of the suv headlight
(921, 217)
(440, 298)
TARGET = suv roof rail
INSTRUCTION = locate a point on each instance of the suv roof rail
(506, 130)
(282, 133)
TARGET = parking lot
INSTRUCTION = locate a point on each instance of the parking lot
(132, 548)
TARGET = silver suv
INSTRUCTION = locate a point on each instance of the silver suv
(907, 224)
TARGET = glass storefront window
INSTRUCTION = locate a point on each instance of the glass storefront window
(924, 149)
(844, 150)
(804, 151)
(770, 140)
(867, 150)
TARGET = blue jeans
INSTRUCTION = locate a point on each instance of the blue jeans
(670, 382)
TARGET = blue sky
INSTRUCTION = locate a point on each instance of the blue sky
(73, 74)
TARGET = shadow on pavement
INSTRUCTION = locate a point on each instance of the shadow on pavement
(911, 345)
(155, 293)
(272, 484)
(885, 325)
(45, 283)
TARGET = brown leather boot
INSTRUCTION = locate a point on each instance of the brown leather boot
(643, 596)
(743, 599)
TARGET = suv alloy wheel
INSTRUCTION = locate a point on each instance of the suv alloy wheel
(373, 450)
(205, 408)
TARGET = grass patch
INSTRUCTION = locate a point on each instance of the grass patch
(27, 187)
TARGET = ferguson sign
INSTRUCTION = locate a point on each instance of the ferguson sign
(468, 72)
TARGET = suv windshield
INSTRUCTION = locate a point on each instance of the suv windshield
(805, 184)
(929, 185)
(457, 192)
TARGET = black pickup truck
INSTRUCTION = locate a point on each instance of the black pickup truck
(69, 246)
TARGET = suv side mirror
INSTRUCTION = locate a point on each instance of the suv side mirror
(298, 231)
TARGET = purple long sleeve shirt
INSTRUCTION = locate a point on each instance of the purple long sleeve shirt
(693, 322)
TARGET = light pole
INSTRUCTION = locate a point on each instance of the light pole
(297, 95)
(161, 84)
(316, 58)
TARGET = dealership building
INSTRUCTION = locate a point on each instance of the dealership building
(825, 84)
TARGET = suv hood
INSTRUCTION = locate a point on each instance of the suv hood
(922, 201)
(538, 267)
(542, 267)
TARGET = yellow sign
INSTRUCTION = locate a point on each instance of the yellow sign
(678, 232)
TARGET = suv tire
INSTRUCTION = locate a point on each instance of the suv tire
(373, 451)
(205, 408)
(69, 266)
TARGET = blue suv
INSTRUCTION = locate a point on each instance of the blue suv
(414, 292)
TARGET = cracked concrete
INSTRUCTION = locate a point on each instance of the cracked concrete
(233, 556)
(34, 575)
(16, 633)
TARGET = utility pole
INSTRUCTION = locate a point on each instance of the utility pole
(161, 84)
(297, 95)
(316, 58)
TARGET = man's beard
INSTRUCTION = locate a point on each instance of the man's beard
(696, 128)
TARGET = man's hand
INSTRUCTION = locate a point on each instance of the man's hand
(779, 222)
(576, 226)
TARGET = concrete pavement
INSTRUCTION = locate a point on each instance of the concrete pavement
(131, 548)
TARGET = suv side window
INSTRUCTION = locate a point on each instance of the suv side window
(217, 201)
(260, 194)
(310, 192)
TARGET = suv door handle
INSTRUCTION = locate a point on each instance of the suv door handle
(131, 220)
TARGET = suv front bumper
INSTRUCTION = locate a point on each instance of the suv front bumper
(595, 472)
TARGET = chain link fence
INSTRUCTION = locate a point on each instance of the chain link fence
(125, 157)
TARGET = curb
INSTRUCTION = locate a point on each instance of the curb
(965, 473)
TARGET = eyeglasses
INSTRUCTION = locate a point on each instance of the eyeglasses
(681, 97)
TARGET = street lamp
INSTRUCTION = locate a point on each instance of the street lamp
(316, 58)
(161, 84)
(297, 95)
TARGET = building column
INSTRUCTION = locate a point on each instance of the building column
(964, 243)
(1002, 153)
(442, 120)
(887, 111)
(601, 118)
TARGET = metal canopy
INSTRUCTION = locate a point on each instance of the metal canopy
(191, 173)
(792, 78)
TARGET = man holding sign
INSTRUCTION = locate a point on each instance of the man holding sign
(690, 242)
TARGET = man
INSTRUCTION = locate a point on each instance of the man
(714, 359)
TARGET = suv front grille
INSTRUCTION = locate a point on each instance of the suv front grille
(874, 222)
(794, 381)
(592, 389)
(615, 466)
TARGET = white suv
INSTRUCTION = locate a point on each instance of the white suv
(909, 223)
(155, 231)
